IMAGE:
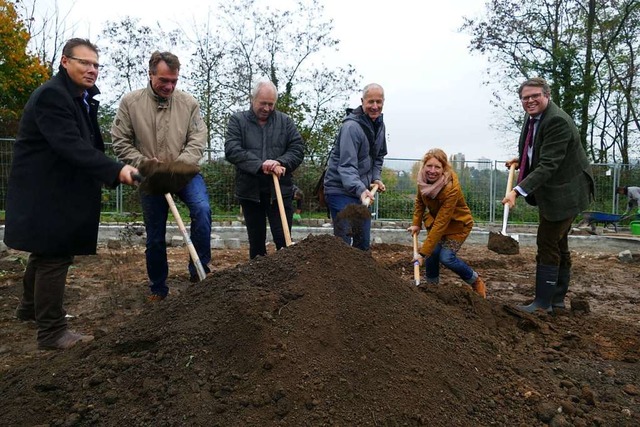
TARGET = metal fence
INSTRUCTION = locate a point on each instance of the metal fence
(483, 184)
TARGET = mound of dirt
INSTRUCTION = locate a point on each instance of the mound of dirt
(322, 334)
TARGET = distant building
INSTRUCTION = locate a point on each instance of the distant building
(457, 161)
(484, 164)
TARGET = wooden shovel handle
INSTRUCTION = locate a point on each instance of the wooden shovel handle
(512, 170)
(416, 264)
(192, 250)
(283, 213)
(368, 200)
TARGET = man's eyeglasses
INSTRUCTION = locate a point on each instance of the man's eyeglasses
(531, 97)
(86, 63)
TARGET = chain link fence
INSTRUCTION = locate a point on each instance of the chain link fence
(483, 183)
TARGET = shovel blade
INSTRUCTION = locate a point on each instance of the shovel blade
(502, 244)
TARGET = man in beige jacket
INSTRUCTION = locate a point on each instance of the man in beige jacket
(160, 123)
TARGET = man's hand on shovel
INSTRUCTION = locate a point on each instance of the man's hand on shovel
(128, 175)
(511, 194)
(368, 196)
(273, 167)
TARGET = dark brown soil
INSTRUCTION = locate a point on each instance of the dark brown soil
(322, 334)
(503, 244)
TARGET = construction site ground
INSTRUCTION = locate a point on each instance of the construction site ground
(321, 334)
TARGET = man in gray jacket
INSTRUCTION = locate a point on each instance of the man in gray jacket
(260, 142)
(355, 164)
(162, 124)
(555, 175)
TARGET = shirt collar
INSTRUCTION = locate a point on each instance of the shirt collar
(163, 103)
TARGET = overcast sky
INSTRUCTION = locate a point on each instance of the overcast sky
(433, 85)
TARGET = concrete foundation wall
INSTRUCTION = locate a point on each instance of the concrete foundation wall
(234, 234)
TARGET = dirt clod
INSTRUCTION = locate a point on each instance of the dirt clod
(502, 244)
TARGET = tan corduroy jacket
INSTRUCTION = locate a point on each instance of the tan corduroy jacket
(146, 126)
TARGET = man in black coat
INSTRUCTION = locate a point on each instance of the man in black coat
(54, 188)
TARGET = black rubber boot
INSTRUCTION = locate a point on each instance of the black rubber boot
(564, 277)
(546, 280)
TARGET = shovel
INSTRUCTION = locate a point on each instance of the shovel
(501, 242)
(416, 263)
(355, 214)
(165, 178)
(283, 213)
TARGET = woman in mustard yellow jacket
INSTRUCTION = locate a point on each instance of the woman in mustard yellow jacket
(441, 207)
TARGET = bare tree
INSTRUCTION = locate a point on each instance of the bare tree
(287, 47)
(49, 29)
(207, 77)
(126, 48)
(573, 44)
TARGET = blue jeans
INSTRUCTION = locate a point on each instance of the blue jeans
(155, 210)
(449, 259)
(355, 232)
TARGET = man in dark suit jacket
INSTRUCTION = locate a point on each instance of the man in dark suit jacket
(54, 189)
(554, 175)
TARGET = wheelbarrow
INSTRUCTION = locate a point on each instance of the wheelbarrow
(593, 218)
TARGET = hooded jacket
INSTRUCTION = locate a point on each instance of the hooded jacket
(353, 164)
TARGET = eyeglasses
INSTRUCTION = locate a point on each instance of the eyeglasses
(86, 63)
(531, 97)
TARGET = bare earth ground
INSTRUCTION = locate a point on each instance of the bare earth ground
(320, 334)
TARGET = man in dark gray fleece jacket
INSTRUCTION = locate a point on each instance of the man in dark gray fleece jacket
(259, 142)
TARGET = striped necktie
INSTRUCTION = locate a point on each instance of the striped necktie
(85, 95)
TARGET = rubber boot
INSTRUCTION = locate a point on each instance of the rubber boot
(564, 277)
(51, 276)
(546, 280)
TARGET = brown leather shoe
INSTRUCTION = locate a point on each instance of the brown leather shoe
(67, 340)
(480, 288)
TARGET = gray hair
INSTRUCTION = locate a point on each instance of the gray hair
(370, 86)
(260, 84)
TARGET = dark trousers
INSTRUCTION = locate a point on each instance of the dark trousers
(255, 217)
(553, 242)
(43, 293)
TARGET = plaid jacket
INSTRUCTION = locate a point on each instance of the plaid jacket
(559, 179)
